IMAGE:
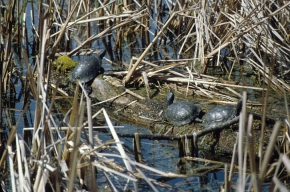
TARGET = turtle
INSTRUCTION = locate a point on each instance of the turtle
(180, 112)
(86, 70)
(223, 115)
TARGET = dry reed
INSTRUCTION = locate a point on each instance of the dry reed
(254, 33)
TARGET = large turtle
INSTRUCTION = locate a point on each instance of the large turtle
(222, 115)
(180, 112)
(86, 70)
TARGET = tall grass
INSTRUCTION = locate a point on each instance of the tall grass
(178, 42)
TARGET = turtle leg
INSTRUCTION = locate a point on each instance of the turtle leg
(198, 120)
(88, 89)
(216, 138)
(88, 86)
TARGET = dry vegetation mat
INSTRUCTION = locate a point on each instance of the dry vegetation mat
(212, 50)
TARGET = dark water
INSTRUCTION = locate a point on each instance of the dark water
(162, 155)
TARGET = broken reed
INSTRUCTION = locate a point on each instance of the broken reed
(228, 26)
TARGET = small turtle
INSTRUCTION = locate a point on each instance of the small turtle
(180, 112)
(86, 70)
(222, 115)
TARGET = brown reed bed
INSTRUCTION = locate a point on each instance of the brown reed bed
(175, 45)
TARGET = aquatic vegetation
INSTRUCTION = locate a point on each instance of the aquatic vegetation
(203, 50)
(64, 64)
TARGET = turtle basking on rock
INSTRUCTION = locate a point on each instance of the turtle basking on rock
(86, 70)
(181, 112)
(222, 116)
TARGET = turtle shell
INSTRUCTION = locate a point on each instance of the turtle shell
(220, 114)
(181, 113)
(86, 70)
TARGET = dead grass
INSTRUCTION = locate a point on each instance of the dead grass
(185, 47)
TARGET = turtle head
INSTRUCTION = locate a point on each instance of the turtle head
(101, 55)
(102, 70)
(170, 98)
(101, 73)
(239, 107)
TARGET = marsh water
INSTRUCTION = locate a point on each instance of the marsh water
(160, 154)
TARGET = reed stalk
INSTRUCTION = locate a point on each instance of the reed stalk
(181, 45)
